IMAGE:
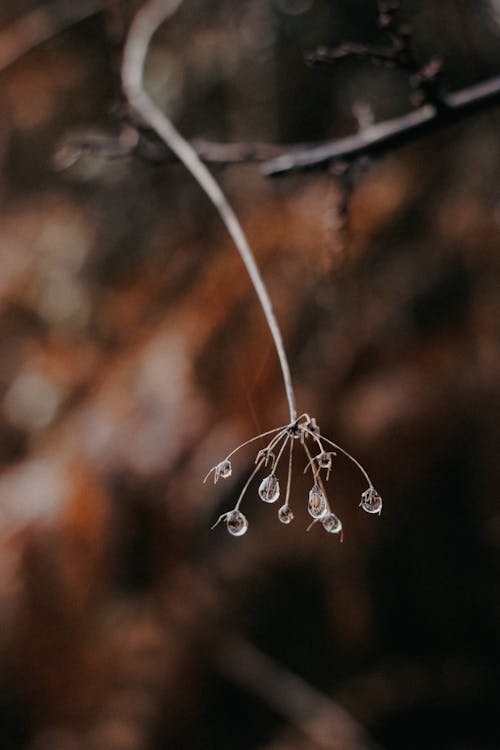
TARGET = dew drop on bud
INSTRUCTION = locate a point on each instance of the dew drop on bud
(317, 503)
(325, 460)
(269, 489)
(371, 501)
(313, 426)
(285, 514)
(224, 469)
(332, 523)
(236, 523)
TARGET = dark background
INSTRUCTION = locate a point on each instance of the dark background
(133, 356)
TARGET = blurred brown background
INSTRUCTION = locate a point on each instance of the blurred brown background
(133, 356)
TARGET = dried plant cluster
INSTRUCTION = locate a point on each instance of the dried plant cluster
(305, 430)
(302, 428)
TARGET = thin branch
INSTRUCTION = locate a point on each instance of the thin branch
(143, 143)
(400, 55)
(37, 26)
(316, 715)
(384, 55)
(280, 159)
(391, 133)
(387, 13)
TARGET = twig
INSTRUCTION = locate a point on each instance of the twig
(277, 160)
(391, 133)
(321, 719)
(399, 53)
(144, 25)
(143, 143)
(39, 25)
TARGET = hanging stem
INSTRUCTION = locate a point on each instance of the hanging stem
(144, 25)
(289, 475)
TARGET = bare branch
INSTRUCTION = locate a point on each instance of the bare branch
(237, 153)
(400, 53)
(39, 25)
(391, 133)
(78, 145)
(278, 160)
(132, 141)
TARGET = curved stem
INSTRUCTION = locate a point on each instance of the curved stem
(351, 458)
(144, 25)
(257, 437)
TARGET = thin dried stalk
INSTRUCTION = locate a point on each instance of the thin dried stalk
(144, 25)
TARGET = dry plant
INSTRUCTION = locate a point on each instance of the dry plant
(303, 428)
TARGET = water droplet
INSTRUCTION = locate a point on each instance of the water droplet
(313, 427)
(371, 501)
(325, 460)
(264, 455)
(317, 503)
(224, 469)
(285, 514)
(236, 523)
(332, 523)
(269, 489)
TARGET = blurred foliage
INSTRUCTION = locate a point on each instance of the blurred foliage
(133, 355)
